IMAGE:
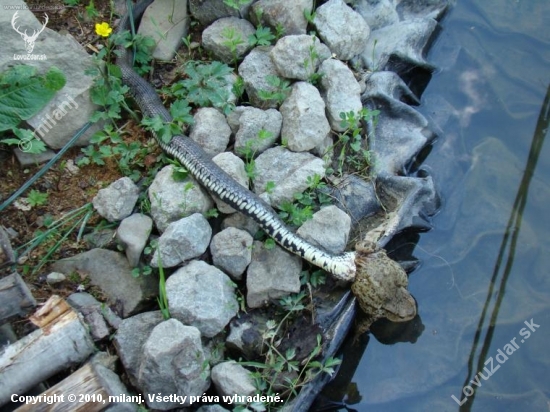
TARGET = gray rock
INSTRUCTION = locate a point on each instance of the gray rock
(111, 272)
(341, 28)
(255, 70)
(304, 122)
(113, 386)
(117, 200)
(203, 296)
(234, 167)
(289, 15)
(29, 159)
(130, 337)
(84, 302)
(6, 250)
(329, 228)
(299, 56)
(210, 130)
(171, 200)
(405, 41)
(212, 408)
(340, 91)
(273, 273)
(227, 38)
(245, 333)
(377, 13)
(249, 123)
(232, 251)
(90, 309)
(166, 24)
(133, 233)
(182, 240)
(289, 172)
(173, 362)
(433, 9)
(240, 221)
(230, 378)
(71, 107)
(55, 278)
(208, 11)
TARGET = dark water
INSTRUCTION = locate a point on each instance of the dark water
(483, 288)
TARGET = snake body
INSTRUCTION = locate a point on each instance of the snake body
(218, 182)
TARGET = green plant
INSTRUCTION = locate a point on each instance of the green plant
(350, 149)
(36, 198)
(91, 11)
(249, 152)
(280, 89)
(310, 63)
(181, 117)
(281, 370)
(162, 299)
(71, 2)
(206, 85)
(56, 233)
(232, 40)
(236, 4)
(23, 93)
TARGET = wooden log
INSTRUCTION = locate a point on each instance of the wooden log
(61, 342)
(92, 388)
(15, 297)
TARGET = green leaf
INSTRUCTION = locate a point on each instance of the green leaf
(23, 93)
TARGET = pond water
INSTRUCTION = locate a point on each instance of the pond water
(483, 286)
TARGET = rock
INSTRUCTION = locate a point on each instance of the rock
(7, 255)
(403, 41)
(91, 311)
(299, 56)
(166, 24)
(208, 11)
(341, 28)
(29, 159)
(255, 129)
(234, 167)
(212, 408)
(55, 278)
(117, 200)
(273, 273)
(255, 70)
(227, 38)
(289, 15)
(329, 228)
(111, 272)
(230, 378)
(171, 200)
(86, 303)
(240, 221)
(210, 130)
(182, 240)
(304, 122)
(130, 337)
(203, 296)
(245, 333)
(340, 91)
(71, 107)
(231, 251)
(377, 13)
(173, 362)
(288, 171)
(133, 233)
(102, 238)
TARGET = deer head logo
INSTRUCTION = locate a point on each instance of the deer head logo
(29, 40)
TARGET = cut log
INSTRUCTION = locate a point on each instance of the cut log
(15, 297)
(94, 388)
(61, 342)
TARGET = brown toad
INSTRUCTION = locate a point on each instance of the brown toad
(380, 286)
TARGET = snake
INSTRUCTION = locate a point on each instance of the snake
(199, 164)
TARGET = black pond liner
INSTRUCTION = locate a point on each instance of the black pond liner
(400, 141)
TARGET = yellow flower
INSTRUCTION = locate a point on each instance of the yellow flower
(103, 29)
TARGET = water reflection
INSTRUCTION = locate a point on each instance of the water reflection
(504, 263)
